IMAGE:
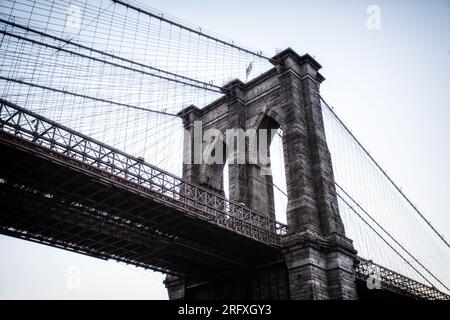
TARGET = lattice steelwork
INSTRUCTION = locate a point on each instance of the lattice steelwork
(393, 281)
(113, 164)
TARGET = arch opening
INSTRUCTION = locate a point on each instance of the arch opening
(278, 177)
(226, 182)
(275, 170)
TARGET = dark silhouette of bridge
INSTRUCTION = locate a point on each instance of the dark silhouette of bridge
(66, 189)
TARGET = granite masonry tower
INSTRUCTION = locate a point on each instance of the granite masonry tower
(317, 260)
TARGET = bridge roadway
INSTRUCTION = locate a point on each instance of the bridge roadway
(64, 189)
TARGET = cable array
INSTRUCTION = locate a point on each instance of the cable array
(381, 220)
(117, 71)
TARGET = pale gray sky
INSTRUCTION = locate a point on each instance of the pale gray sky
(389, 85)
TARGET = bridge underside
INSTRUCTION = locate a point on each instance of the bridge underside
(271, 282)
(51, 202)
(364, 293)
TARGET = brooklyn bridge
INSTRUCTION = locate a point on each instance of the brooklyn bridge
(101, 105)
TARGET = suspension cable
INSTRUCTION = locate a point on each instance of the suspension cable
(88, 97)
(386, 175)
(385, 241)
(199, 84)
(387, 233)
(199, 32)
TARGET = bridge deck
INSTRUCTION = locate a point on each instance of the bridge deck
(85, 212)
(79, 197)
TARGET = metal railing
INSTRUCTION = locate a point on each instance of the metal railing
(395, 282)
(92, 155)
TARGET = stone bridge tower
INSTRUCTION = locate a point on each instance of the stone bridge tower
(318, 260)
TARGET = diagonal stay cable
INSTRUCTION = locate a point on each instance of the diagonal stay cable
(87, 97)
(386, 175)
(198, 32)
(381, 227)
(75, 35)
(387, 233)
(185, 80)
(384, 240)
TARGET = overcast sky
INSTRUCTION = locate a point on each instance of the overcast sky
(390, 85)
